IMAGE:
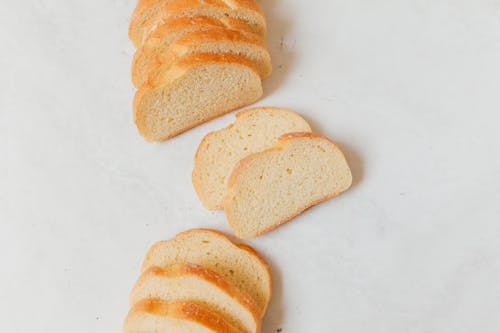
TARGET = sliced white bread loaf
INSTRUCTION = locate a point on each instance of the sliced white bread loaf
(197, 88)
(254, 130)
(147, 18)
(156, 316)
(169, 31)
(240, 265)
(215, 40)
(267, 189)
(190, 282)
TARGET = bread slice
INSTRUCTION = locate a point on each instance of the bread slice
(267, 189)
(156, 316)
(197, 88)
(191, 282)
(240, 265)
(147, 18)
(216, 40)
(254, 130)
(169, 31)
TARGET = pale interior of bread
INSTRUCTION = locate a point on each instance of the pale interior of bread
(254, 130)
(214, 252)
(273, 186)
(194, 288)
(204, 92)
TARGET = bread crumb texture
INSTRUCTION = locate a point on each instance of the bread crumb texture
(269, 188)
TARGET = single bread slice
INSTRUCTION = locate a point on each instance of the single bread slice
(147, 18)
(197, 88)
(169, 31)
(156, 316)
(254, 130)
(267, 189)
(201, 285)
(216, 40)
(240, 265)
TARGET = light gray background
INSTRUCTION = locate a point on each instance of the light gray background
(409, 90)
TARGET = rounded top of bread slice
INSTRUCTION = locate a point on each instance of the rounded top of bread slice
(240, 265)
(154, 315)
(254, 130)
(195, 283)
(302, 170)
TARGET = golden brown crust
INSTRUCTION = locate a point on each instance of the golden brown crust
(141, 25)
(177, 5)
(282, 142)
(174, 24)
(187, 269)
(217, 35)
(310, 135)
(183, 310)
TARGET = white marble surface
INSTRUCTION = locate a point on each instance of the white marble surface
(410, 90)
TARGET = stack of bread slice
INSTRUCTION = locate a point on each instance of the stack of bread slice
(195, 60)
(266, 168)
(199, 281)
